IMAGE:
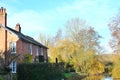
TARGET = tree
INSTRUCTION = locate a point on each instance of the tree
(50, 41)
(64, 50)
(78, 47)
(58, 37)
(114, 27)
(116, 66)
(44, 39)
(5, 61)
(79, 31)
(73, 29)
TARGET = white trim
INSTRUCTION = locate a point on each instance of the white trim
(42, 51)
(13, 47)
(31, 49)
(37, 52)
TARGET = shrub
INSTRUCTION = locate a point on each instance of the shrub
(40, 71)
(1, 78)
(5, 70)
(27, 58)
(74, 76)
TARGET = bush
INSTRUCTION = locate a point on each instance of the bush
(27, 58)
(5, 70)
(1, 78)
(72, 70)
(74, 76)
(40, 71)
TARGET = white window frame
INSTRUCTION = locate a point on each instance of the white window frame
(13, 47)
(13, 66)
(37, 52)
(42, 51)
(31, 49)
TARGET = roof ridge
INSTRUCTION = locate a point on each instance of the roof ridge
(23, 37)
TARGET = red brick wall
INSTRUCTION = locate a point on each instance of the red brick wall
(24, 48)
(21, 46)
(45, 54)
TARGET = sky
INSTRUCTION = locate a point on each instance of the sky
(47, 16)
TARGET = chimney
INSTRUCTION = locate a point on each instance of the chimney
(3, 16)
(18, 28)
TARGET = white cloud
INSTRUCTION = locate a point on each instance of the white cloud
(92, 10)
(33, 22)
(30, 21)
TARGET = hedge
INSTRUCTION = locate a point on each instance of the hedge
(40, 71)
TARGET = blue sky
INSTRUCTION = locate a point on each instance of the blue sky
(47, 16)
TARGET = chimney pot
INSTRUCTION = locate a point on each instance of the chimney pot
(3, 16)
(17, 27)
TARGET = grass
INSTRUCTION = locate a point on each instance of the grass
(67, 75)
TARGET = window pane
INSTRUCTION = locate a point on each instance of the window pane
(13, 66)
(13, 47)
(42, 51)
(37, 51)
(31, 49)
(13, 69)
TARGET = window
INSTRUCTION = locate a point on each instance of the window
(31, 49)
(13, 47)
(41, 58)
(42, 51)
(37, 51)
(13, 66)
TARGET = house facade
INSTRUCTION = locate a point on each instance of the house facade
(17, 43)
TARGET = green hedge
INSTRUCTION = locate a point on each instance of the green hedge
(40, 71)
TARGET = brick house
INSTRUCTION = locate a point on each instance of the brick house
(17, 42)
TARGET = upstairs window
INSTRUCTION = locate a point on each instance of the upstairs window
(31, 49)
(37, 52)
(42, 51)
(13, 47)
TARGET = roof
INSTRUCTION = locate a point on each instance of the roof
(24, 38)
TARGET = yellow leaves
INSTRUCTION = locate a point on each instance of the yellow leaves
(116, 72)
(116, 66)
(95, 67)
(65, 48)
(116, 58)
(71, 52)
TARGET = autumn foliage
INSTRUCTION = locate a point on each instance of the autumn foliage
(77, 47)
